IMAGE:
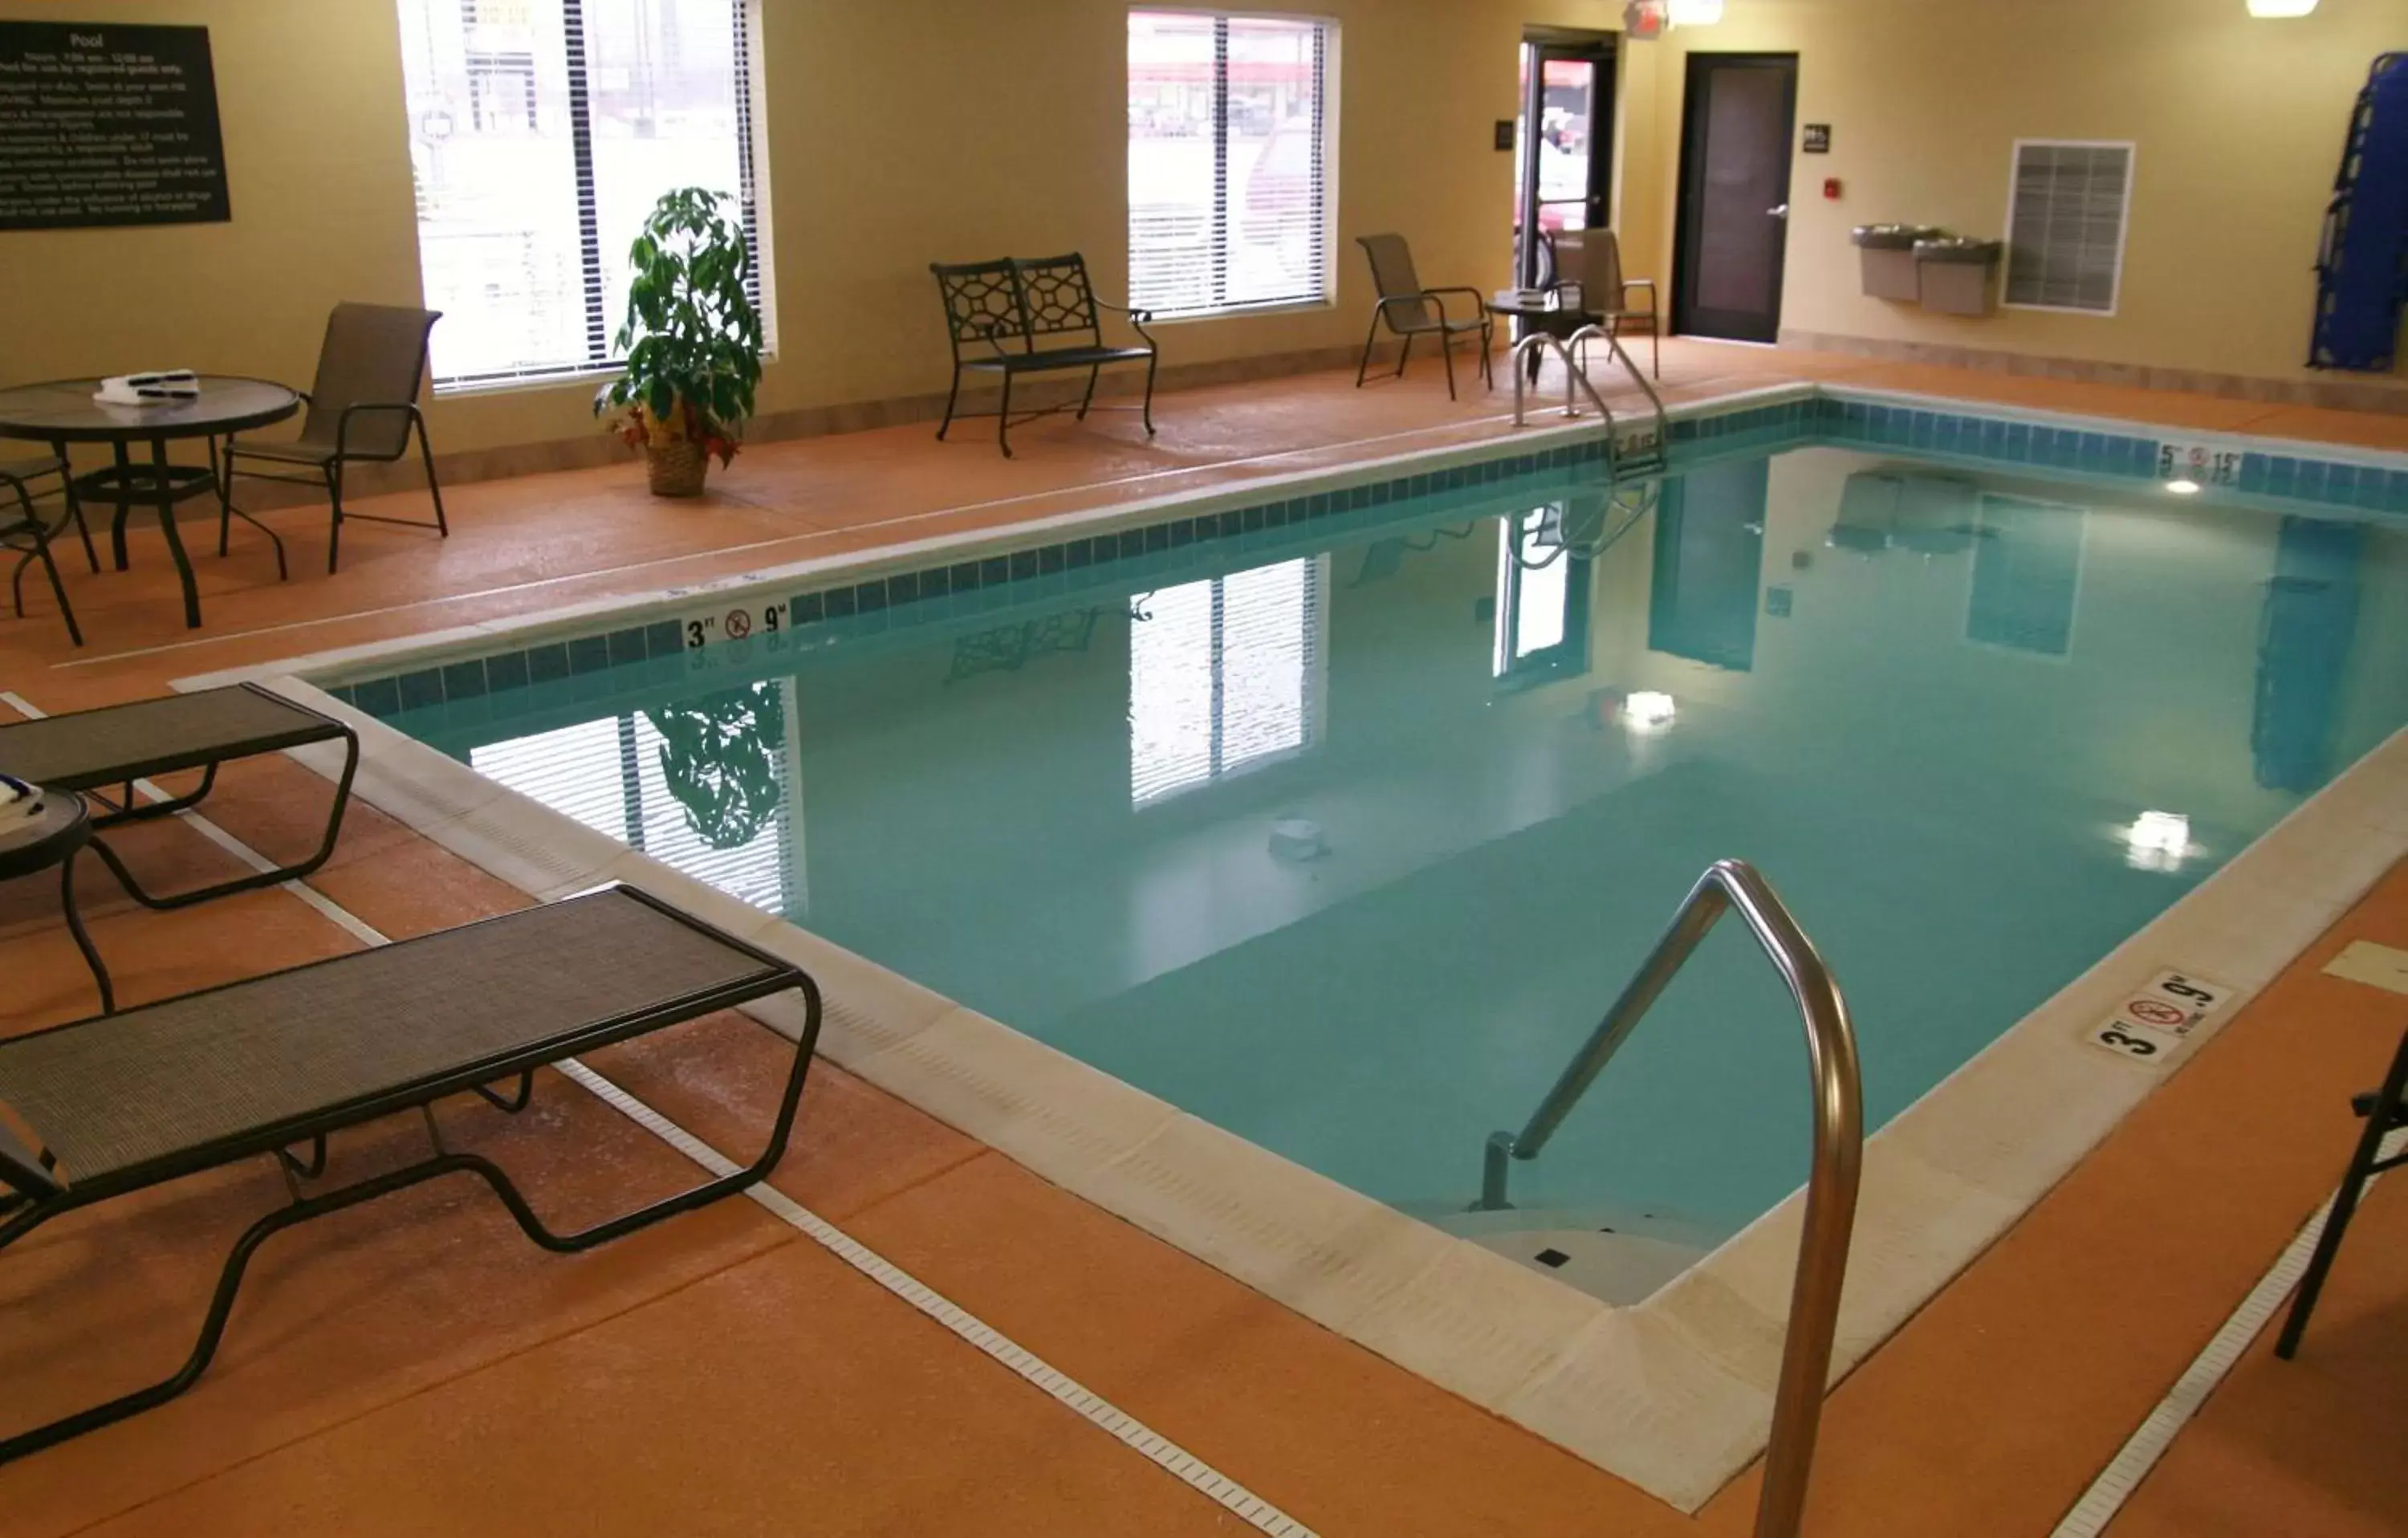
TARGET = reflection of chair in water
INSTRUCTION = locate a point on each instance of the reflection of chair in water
(1929, 515)
(1384, 558)
(1008, 648)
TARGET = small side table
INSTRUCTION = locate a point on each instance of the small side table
(57, 833)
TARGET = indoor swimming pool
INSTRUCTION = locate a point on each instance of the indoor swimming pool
(1341, 836)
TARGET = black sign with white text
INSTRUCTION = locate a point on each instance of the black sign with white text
(108, 124)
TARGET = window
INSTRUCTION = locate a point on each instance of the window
(2027, 575)
(2065, 224)
(1228, 161)
(541, 131)
(1542, 592)
(1224, 676)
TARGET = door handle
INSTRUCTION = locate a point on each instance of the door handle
(1779, 210)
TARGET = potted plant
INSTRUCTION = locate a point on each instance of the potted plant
(692, 341)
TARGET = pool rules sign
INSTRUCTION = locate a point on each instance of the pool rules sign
(107, 125)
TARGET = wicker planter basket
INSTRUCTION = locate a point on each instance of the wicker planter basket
(677, 468)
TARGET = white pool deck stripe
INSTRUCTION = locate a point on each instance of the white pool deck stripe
(1081, 1400)
(2132, 1463)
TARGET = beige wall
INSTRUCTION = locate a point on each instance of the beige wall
(898, 133)
(2238, 125)
(913, 130)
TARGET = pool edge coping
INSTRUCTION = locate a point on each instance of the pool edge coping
(1672, 1394)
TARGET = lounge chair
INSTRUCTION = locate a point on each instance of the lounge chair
(92, 750)
(1410, 310)
(255, 1069)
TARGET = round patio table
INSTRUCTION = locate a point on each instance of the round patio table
(62, 411)
(53, 836)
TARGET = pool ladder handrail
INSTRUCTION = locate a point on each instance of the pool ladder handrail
(1577, 382)
(1838, 1150)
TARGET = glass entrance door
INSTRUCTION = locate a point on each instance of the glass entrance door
(1563, 145)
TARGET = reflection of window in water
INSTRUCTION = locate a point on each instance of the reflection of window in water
(2304, 640)
(1224, 675)
(613, 776)
(1541, 599)
(2026, 571)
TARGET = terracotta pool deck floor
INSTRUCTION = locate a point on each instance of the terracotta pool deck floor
(416, 1367)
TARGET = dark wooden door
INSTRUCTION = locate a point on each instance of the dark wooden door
(1734, 219)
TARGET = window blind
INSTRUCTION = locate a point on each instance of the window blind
(1223, 676)
(541, 131)
(2065, 224)
(1228, 161)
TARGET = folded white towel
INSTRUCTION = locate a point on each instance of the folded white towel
(19, 803)
(158, 386)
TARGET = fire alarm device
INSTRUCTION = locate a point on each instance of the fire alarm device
(1832, 188)
(1643, 20)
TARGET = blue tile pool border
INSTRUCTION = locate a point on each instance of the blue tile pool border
(957, 586)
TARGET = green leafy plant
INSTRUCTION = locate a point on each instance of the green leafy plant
(719, 757)
(692, 340)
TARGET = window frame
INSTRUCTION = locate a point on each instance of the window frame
(2122, 222)
(752, 194)
(1217, 221)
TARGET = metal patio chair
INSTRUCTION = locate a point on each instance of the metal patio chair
(23, 530)
(1412, 310)
(363, 409)
(1007, 314)
(263, 1068)
(1588, 274)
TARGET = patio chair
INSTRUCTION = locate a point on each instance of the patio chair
(90, 751)
(363, 409)
(2385, 1110)
(1005, 311)
(21, 529)
(1588, 273)
(124, 1102)
(1412, 310)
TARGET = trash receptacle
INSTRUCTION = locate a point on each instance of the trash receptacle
(1886, 252)
(1954, 272)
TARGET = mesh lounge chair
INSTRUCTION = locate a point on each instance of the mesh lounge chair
(1412, 310)
(362, 408)
(255, 1069)
(92, 750)
(21, 529)
(1588, 272)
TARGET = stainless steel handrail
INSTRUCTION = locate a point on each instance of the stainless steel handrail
(1830, 1187)
(1577, 382)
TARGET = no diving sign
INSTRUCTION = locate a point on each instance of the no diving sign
(2156, 1020)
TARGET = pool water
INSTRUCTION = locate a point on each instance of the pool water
(1344, 847)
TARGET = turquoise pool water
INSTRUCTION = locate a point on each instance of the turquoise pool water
(1343, 843)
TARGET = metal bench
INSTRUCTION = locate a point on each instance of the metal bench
(93, 751)
(1006, 313)
(254, 1070)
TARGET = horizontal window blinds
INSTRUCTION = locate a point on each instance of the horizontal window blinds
(542, 132)
(1224, 676)
(1228, 163)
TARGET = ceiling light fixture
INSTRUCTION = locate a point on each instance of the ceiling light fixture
(1705, 13)
(2278, 10)
(2184, 486)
